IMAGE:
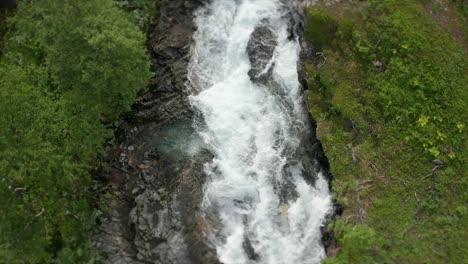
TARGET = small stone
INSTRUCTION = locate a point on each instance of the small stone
(135, 190)
(131, 148)
(156, 197)
(143, 166)
(377, 63)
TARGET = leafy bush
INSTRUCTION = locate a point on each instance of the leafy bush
(361, 244)
(92, 51)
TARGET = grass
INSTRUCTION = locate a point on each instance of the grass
(382, 126)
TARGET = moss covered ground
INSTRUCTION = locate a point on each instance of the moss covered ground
(388, 89)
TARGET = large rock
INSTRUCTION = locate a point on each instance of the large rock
(168, 222)
(169, 46)
(261, 48)
(154, 217)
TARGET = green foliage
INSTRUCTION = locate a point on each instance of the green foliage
(85, 47)
(69, 68)
(424, 78)
(321, 28)
(424, 75)
(361, 244)
(145, 11)
(390, 98)
(462, 5)
(3, 26)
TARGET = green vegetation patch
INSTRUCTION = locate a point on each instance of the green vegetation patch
(4, 13)
(389, 93)
(70, 69)
(145, 11)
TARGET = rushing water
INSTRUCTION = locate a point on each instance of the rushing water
(258, 185)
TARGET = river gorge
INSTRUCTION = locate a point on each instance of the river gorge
(219, 162)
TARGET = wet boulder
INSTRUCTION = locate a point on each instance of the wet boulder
(260, 49)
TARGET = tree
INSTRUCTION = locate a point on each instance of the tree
(70, 68)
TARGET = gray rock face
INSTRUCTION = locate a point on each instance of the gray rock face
(167, 221)
(169, 47)
(154, 216)
(261, 48)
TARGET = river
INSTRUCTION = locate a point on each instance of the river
(263, 186)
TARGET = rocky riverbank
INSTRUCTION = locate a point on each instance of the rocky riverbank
(156, 189)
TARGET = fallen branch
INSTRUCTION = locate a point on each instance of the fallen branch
(321, 55)
(430, 174)
(42, 212)
(20, 189)
(364, 182)
(417, 199)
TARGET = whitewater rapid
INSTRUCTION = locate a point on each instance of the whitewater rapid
(257, 187)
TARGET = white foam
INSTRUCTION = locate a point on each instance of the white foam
(249, 129)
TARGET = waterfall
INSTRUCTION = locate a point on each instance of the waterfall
(264, 190)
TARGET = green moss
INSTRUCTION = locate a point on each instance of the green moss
(361, 245)
(381, 127)
(322, 27)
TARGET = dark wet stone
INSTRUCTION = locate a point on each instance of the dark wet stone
(157, 191)
(261, 48)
